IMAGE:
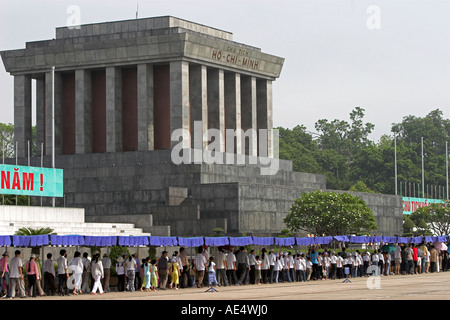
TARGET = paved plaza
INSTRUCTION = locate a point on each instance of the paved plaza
(434, 286)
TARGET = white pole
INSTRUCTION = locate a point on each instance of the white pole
(446, 166)
(395, 160)
(423, 174)
(53, 124)
(42, 160)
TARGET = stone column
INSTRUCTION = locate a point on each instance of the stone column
(216, 104)
(146, 134)
(248, 115)
(83, 111)
(179, 101)
(233, 110)
(22, 113)
(48, 114)
(40, 114)
(199, 105)
(113, 109)
(264, 117)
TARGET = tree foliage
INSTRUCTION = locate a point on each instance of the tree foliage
(436, 216)
(343, 152)
(330, 213)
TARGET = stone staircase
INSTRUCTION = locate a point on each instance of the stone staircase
(64, 221)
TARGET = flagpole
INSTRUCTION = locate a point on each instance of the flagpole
(446, 164)
(395, 160)
(53, 124)
(423, 174)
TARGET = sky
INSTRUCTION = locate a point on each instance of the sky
(389, 57)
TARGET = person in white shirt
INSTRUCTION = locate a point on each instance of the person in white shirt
(272, 259)
(120, 270)
(265, 266)
(258, 266)
(76, 266)
(366, 262)
(277, 268)
(212, 272)
(49, 275)
(326, 265)
(333, 261)
(285, 263)
(291, 267)
(106, 262)
(339, 266)
(231, 268)
(63, 272)
(97, 274)
(221, 264)
(130, 271)
(16, 275)
(200, 266)
(302, 267)
(308, 268)
(375, 262)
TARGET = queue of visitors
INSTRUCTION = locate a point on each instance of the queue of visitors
(234, 266)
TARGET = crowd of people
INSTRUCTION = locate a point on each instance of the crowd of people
(235, 266)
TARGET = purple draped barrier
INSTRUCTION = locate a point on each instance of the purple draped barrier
(360, 239)
(216, 241)
(106, 241)
(70, 240)
(163, 241)
(416, 240)
(285, 242)
(190, 242)
(442, 239)
(389, 239)
(263, 241)
(376, 239)
(324, 240)
(403, 240)
(304, 241)
(342, 238)
(5, 241)
(241, 241)
(133, 241)
(30, 241)
(431, 239)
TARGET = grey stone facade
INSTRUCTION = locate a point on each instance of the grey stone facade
(145, 188)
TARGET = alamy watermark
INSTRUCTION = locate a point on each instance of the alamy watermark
(213, 146)
(74, 19)
(373, 21)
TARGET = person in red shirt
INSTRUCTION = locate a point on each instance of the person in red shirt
(32, 274)
(415, 258)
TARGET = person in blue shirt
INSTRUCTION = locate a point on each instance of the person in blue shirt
(315, 263)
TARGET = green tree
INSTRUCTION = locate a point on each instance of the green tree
(408, 226)
(360, 186)
(7, 140)
(436, 216)
(330, 213)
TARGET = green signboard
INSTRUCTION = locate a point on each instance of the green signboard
(412, 204)
(31, 181)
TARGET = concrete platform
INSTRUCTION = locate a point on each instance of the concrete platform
(415, 287)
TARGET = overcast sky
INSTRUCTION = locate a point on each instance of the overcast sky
(390, 57)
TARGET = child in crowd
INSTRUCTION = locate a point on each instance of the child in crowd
(154, 277)
(258, 267)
